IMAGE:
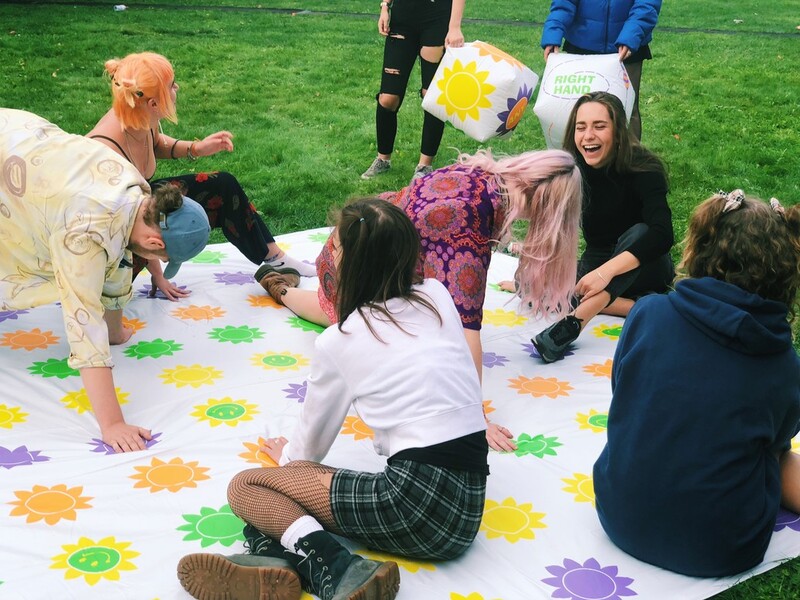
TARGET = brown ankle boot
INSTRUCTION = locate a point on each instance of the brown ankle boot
(276, 281)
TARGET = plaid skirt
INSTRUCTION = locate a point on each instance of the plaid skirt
(412, 509)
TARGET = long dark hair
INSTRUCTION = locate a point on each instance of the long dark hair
(629, 155)
(379, 256)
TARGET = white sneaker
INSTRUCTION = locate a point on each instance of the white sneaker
(377, 167)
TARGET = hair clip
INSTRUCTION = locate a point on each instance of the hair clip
(361, 220)
(776, 206)
(733, 200)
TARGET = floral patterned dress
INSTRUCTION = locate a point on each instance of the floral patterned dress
(458, 215)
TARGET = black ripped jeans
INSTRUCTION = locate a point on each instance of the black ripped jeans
(412, 25)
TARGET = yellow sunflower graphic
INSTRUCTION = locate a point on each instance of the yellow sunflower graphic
(595, 421)
(280, 361)
(541, 386)
(503, 318)
(510, 520)
(172, 476)
(194, 375)
(582, 487)
(79, 401)
(464, 90)
(50, 504)
(9, 415)
(94, 561)
(225, 410)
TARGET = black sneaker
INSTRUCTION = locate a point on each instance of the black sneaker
(553, 342)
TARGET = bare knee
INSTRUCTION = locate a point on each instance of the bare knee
(431, 53)
(389, 101)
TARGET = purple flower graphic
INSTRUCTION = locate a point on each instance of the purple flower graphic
(490, 359)
(296, 392)
(533, 353)
(240, 278)
(6, 315)
(787, 519)
(588, 581)
(144, 292)
(516, 108)
(99, 445)
(20, 457)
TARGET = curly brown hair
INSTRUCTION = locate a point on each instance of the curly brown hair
(753, 247)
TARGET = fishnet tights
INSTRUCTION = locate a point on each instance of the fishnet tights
(274, 498)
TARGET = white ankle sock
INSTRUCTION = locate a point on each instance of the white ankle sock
(305, 269)
(299, 529)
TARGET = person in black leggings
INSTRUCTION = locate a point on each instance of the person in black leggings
(421, 28)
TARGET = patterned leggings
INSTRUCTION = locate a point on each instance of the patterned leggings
(271, 499)
(228, 208)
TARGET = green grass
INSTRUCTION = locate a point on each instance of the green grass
(297, 90)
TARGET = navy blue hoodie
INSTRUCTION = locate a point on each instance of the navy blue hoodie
(706, 396)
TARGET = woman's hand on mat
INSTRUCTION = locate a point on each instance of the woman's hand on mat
(169, 289)
(499, 438)
(125, 438)
(273, 447)
(216, 142)
(508, 286)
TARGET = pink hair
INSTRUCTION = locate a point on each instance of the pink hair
(134, 80)
(544, 187)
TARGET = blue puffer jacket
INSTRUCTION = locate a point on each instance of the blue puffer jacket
(601, 25)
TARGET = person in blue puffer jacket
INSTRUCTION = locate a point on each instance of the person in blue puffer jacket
(605, 27)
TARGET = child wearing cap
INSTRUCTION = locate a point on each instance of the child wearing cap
(73, 213)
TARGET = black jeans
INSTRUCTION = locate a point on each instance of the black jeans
(412, 25)
(654, 276)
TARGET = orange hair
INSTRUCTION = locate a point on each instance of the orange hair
(134, 80)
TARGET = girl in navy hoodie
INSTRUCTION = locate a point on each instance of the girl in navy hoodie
(706, 398)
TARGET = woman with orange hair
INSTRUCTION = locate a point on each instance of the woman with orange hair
(144, 91)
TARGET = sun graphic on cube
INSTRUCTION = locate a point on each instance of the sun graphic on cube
(50, 504)
(198, 313)
(357, 428)
(409, 564)
(510, 520)
(464, 90)
(213, 526)
(594, 421)
(172, 476)
(94, 561)
(9, 415)
(540, 386)
(599, 369)
(503, 318)
(35, 339)
(497, 55)
(193, 375)
(79, 401)
(582, 487)
(256, 455)
(280, 361)
(225, 410)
